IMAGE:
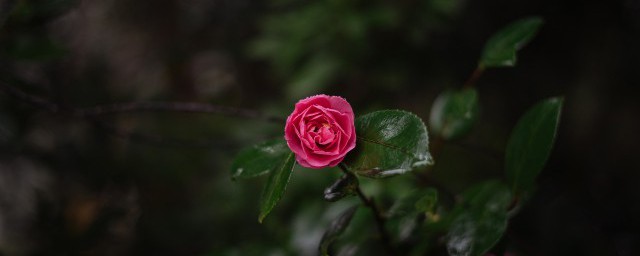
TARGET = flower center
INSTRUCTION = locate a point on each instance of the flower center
(323, 134)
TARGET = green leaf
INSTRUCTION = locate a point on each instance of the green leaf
(336, 228)
(345, 186)
(259, 159)
(428, 201)
(500, 50)
(530, 143)
(480, 220)
(418, 201)
(276, 185)
(403, 214)
(390, 142)
(454, 112)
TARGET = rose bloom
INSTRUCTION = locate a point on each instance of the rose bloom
(321, 131)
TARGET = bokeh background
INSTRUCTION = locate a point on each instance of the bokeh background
(159, 183)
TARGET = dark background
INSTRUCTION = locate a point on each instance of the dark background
(159, 183)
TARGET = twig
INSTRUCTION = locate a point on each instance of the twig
(31, 99)
(92, 114)
(192, 107)
(438, 141)
(474, 77)
(370, 203)
(155, 140)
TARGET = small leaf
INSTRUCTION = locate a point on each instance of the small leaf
(428, 201)
(500, 50)
(454, 112)
(480, 221)
(336, 228)
(259, 159)
(403, 215)
(418, 201)
(390, 142)
(530, 143)
(345, 186)
(276, 185)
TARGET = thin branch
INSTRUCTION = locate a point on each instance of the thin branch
(423, 176)
(192, 107)
(28, 98)
(474, 77)
(155, 140)
(92, 114)
(116, 108)
(370, 203)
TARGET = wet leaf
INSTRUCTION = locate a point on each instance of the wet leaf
(345, 186)
(454, 112)
(530, 143)
(336, 228)
(501, 48)
(480, 220)
(418, 201)
(404, 213)
(390, 142)
(260, 159)
(276, 185)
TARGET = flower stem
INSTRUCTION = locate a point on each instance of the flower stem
(377, 215)
(474, 77)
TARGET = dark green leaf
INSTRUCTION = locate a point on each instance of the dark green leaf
(500, 50)
(390, 142)
(404, 214)
(530, 143)
(418, 201)
(428, 201)
(345, 186)
(336, 228)
(259, 159)
(276, 185)
(454, 112)
(480, 220)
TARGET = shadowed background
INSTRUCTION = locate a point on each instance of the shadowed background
(158, 183)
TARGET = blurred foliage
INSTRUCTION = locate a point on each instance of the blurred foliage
(500, 50)
(159, 183)
(311, 44)
(454, 112)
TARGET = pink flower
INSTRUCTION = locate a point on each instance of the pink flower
(321, 131)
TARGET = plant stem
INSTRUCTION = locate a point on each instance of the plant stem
(99, 110)
(370, 203)
(193, 107)
(474, 77)
(92, 114)
(423, 176)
